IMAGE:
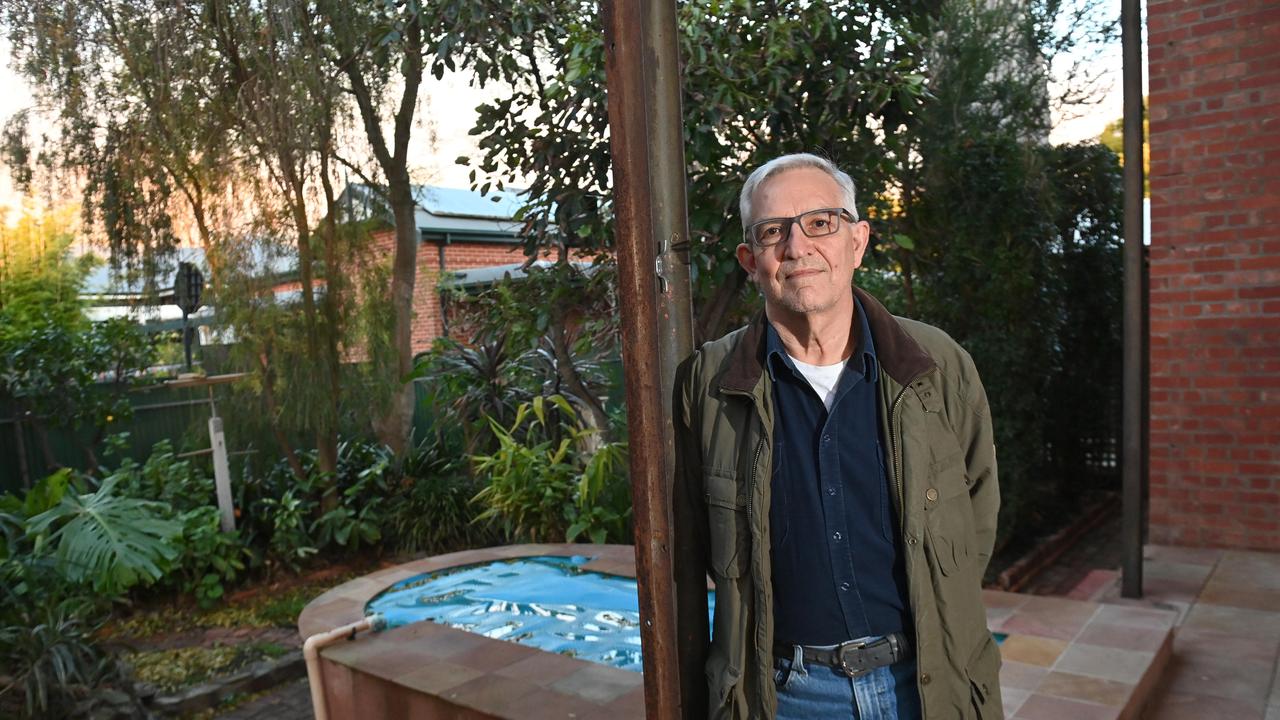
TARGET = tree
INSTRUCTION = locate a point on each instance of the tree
(838, 78)
(382, 50)
(219, 113)
(1112, 136)
(1000, 226)
(62, 370)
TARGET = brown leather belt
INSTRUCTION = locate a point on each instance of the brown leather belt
(855, 657)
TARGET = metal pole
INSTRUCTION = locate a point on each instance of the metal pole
(186, 338)
(646, 140)
(1134, 471)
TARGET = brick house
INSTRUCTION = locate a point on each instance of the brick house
(461, 230)
(1214, 70)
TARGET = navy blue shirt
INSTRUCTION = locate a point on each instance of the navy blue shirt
(837, 572)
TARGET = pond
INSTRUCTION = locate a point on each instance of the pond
(548, 602)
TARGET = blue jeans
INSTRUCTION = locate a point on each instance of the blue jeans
(819, 691)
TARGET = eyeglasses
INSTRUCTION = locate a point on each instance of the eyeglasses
(815, 223)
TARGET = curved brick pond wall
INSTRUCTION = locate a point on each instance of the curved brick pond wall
(426, 670)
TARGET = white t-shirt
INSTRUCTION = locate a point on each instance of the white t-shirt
(822, 378)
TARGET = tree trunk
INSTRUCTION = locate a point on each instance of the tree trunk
(393, 427)
(269, 399)
(334, 289)
(20, 443)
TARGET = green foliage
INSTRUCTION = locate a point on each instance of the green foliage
(52, 360)
(1112, 137)
(209, 559)
(431, 511)
(1015, 253)
(553, 332)
(107, 540)
(39, 279)
(290, 538)
(841, 78)
(602, 501)
(540, 488)
(48, 652)
(469, 382)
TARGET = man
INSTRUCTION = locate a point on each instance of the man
(837, 477)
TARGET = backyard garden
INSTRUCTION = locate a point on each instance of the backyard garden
(123, 587)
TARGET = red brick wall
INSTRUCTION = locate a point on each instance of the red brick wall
(427, 325)
(1215, 272)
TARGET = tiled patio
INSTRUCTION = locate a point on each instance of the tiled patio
(1077, 660)
(1227, 642)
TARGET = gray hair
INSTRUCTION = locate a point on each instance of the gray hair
(791, 162)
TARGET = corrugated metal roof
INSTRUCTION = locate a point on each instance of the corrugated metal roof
(104, 280)
(465, 203)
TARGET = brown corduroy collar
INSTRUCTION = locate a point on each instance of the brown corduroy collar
(897, 352)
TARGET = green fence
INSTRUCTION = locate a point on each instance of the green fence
(180, 415)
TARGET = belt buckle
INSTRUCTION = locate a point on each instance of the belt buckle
(841, 650)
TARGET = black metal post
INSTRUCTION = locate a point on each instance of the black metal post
(646, 140)
(186, 338)
(1134, 453)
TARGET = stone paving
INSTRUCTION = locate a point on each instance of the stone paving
(1227, 644)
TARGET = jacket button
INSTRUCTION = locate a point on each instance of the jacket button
(931, 494)
(911, 540)
(924, 678)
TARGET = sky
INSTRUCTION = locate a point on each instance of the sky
(450, 104)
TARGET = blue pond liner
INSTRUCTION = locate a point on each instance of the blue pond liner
(548, 602)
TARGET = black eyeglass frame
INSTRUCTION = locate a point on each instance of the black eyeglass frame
(788, 222)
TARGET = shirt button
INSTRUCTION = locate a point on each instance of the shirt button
(826, 438)
(844, 586)
(924, 678)
(836, 536)
(931, 494)
(831, 491)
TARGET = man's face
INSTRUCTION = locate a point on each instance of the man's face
(803, 275)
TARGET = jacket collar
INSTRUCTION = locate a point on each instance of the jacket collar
(897, 352)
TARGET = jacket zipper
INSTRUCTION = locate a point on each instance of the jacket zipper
(897, 459)
(751, 486)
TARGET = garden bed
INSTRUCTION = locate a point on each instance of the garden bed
(193, 662)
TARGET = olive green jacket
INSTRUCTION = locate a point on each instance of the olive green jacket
(934, 414)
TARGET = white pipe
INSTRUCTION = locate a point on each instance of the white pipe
(311, 651)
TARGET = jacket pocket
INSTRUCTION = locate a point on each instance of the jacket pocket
(950, 524)
(727, 518)
(983, 671)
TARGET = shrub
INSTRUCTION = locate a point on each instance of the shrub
(431, 511)
(541, 488)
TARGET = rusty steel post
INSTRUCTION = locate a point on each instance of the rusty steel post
(646, 140)
(1134, 451)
